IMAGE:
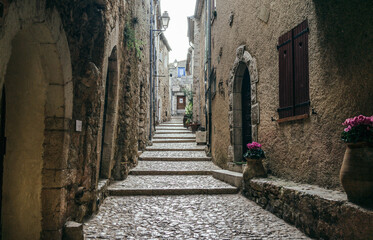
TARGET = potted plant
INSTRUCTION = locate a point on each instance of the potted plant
(356, 173)
(254, 166)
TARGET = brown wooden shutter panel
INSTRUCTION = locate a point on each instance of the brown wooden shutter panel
(286, 75)
(301, 79)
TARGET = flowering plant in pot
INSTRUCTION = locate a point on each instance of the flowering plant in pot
(356, 173)
(254, 166)
(358, 129)
(254, 151)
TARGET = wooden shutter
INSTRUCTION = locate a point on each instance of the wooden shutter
(301, 80)
(293, 71)
(286, 75)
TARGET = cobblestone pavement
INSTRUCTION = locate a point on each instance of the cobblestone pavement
(175, 166)
(186, 217)
(176, 216)
(173, 154)
(176, 146)
(169, 182)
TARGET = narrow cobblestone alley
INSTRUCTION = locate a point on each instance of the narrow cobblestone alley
(172, 195)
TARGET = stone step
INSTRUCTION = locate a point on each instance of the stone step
(174, 136)
(170, 128)
(174, 156)
(171, 125)
(169, 185)
(174, 140)
(175, 147)
(174, 168)
(173, 132)
(230, 177)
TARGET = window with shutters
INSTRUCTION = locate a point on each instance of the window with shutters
(293, 71)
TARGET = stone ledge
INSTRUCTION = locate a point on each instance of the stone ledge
(318, 212)
(230, 177)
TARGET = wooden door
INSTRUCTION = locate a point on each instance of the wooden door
(181, 102)
(246, 110)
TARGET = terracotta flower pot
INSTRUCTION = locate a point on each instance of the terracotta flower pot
(356, 174)
(254, 168)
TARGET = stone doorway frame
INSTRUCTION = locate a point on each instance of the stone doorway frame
(243, 60)
(110, 116)
(54, 53)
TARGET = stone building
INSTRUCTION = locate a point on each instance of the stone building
(197, 36)
(181, 85)
(163, 113)
(74, 80)
(285, 74)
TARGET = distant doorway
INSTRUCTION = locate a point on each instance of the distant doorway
(180, 102)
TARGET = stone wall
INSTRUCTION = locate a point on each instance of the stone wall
(163, 96)
(199, 62)
(308, 150)
(90, 78)
(320, 213)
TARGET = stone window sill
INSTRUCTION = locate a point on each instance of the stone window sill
(293, 118)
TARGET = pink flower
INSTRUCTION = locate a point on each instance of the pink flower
(253, 145)
(347, 129)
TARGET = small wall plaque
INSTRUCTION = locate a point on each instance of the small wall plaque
(78, 125)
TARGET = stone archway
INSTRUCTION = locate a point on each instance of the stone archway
(109, 116)
(36, 71)
(244, 68)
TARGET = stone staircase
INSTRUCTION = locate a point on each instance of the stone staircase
(175, 165)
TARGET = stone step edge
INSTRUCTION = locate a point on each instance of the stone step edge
(174, 172)
(174, 159)
(173, 132)
(170, 191)
(175, 149)
(170, 128)
(230, 177)
(178, 137)
(173, 140)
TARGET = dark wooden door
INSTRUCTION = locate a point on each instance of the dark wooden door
(181, 102)
(246, 110)
(2, 147)
(104, 122)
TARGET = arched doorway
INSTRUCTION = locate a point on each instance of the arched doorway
(246, 109)
(109, 116)
(36, 129)
(243, 105)
(241, 110)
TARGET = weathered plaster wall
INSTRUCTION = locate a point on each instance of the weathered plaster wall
(341, 84)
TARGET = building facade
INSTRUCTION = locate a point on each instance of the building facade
(181, 87)
(75, 105)
(252, 75)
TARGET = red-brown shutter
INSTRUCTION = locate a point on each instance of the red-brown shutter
(286, 75)
(301, 80)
